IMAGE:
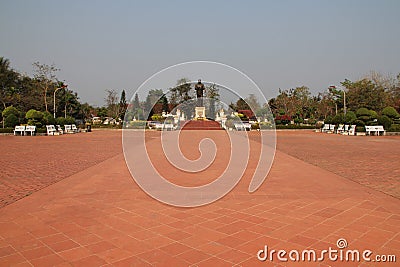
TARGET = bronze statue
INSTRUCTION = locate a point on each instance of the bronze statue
(199, 87)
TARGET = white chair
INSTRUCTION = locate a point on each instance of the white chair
(31, 129)
(20, 129)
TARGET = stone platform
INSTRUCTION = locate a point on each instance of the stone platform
(201, 125)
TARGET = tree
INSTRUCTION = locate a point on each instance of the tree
(212, 93)
(8, 83)
(112, 103)
(45, 75)
(390, 112)
(252, 101)
(165, 105)
(241, 104)
(365, 94)
(153, 97)
(181, 92)
(122, 105)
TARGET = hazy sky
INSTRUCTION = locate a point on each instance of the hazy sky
(101, 45)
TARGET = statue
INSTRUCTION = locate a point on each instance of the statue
(199, 87)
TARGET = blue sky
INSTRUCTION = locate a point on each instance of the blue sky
(101, 45)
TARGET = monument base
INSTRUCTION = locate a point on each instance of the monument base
(200, 113)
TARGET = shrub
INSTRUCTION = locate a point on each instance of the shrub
(338, 119)
(359, 123)
(255, 126)
(294, 126)
(394, 128)
(11, 121)
(360, 129)
(284, 119)
(328, 120)
(265, 125)
(137, 124)
(366, 115)
(6, 130)
(390, 112)
(350, 117)
(385, 121)
(34, 117)
(48, 118)
(157, 117)
(10, 110)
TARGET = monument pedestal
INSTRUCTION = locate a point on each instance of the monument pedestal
(200, 122)
(200, 113)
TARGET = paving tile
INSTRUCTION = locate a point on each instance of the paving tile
(75, 254)
(36, 253)
(175, 249)
(92, 260)
(63, 245)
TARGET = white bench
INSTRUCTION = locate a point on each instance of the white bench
(68, 129)
(244, 126)
(31, 129)
(375, 130)
(340, 129)
(328, 128)
(352, 130)
(20, 129)
(59, 129)
(168, 127)
(51, 130)
(74, 128)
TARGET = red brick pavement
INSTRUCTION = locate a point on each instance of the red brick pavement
(372, 161)
(30, 163)
(100, 217)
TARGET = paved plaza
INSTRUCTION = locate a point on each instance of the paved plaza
(70, 201)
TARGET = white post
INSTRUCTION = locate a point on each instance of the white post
(344, 102)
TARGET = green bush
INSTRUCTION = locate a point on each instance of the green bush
(359, 123)
(366, 115)
(350, 117)
(137, 124)
(294, 126)
(265, 125)
(48, 119)
(390, 112)
(394, 128)
(34, 117)
(10, 110)
(157, 117)
(65, 121)
(6, 130)
(11, 121)
(360, 129)
(338, 119)
(385, 121)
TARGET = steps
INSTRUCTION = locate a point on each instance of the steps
(201, 125)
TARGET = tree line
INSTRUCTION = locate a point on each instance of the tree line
(372, 99)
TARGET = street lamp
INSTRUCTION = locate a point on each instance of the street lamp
(54, 98)
(344, 98)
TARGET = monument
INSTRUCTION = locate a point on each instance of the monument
(200, 121)
(200, 110)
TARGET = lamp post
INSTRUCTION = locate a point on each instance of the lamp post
(54, 98)
(344, 99)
